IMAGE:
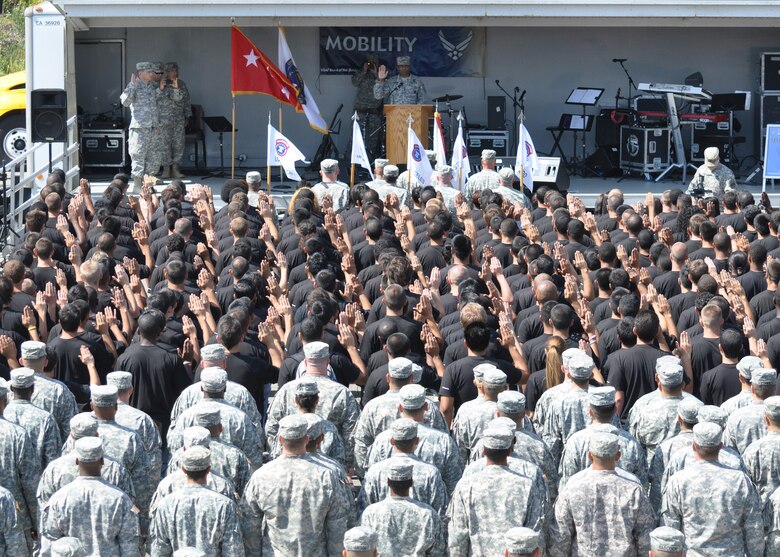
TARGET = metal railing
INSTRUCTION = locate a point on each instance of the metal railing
(21, 190)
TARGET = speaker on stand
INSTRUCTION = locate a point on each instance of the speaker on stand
(49, 117)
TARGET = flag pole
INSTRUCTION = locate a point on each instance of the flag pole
(281, 170)
(352, 162)
(268, 161)
(233, 142)
(520, 139)
(408, 170)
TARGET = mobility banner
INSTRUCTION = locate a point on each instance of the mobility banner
(435, 51)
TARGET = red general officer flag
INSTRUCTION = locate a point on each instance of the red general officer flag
(254, 73)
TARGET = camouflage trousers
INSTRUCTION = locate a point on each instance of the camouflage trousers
(172, 143)
(144, 148)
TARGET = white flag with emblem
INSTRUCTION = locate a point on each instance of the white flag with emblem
(282, 152)
(438, 142)
(460, 158)
(526, 161)
(288, 67)
(416, 160)
(359, 155)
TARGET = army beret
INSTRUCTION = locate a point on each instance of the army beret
(400, 368)
(670, 375)
(479, 371)
(403, 429)
(3, 387)
(494, 377)
(33, 350)
(688, 409)
(89, 449)
(83, 425)
(666, 360)
(412, 396)
(403, 60)
(508, 423)
(122, 380)
(22, 378)
(601, 396)
(196, 459)
(170, 66)
(507, 174)
(381, 163)
(400, 469)
(212, 352)
(568, 354)
(329, 165)
(316, 351)
(707, 434)
(207, 416)
(360, 539)
(390, 171)
(446, 170)
(712, 414)
(213, 380)
(196, 436)
(293, 427)
(763, 377)
(747, 364)
(488, 154)
(67, 547)
(667, 539)
(254, 176)
(603, 444)
(521, 540)
(511, 402)
(315, 425)
(307, 387)
(772, 407)
(497, 438)
(581, 366)
(103, 395)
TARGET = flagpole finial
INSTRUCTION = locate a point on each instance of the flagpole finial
(409, 120)
(232, 20)
(355, 117)
(460, 116)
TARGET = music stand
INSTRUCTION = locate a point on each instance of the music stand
(584, 97)
(218, 125)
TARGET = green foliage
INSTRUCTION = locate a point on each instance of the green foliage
(12, 35)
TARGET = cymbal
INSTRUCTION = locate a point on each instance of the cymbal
(447, 98)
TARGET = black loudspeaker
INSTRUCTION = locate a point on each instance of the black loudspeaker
(607, 130)
(49, 115)
(605, 162)
(770, 71)
(496, 119)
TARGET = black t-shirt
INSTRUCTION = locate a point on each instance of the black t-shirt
(668, 283)
(680, 303)
(377, 385)
(371, 342)
(458, 380)
(737, 220)
(720, 384)
(762, 303)
(248, 368)
(68, 351)
(701, 253)
(768, 329)
(528, 324)
(346, 372)
(430, 257)
(705, 355)
(632, 371)
(753, 282)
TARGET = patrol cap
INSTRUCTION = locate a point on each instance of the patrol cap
(670, 375)
(316, 351)
(508, 423)
(293, 427)
(403, 429)
(603, 444)
(665, 360)
(412, 396)
(494, 378)
(196, 459)
(568, 354)
(713, 414)
(446, 170)
(307, 387)
(511, 402)
(360, 539)
(144, 67)
(431, 154)
(605, 428)
(601, 396)
(416, 373)
(497, 437)
(89, 449)
(207, 416)
(315, 424)
(3, 387)
(400, 368)
(83, 425)
(747, 364)
(403, 60)
(189, 552)
(581, 366)
(157, 67)
(212, 352)
(400, 469)
(254, 176)
(390, 171)
(688, 409)
(763, 377)
(170, 66)
(381, 163)
(479, 370)
(22, 378)
(67, 547)
(33, 350)
(213, 379)
(329, 165)
(488, 154)
(196, 436)
(772, 407)
(707, 434)
(122, 380)
(103, 396)
(667, 539)
(521, 540)
(507, 174)
(711, 155)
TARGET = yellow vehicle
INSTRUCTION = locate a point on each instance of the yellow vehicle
(13, 126)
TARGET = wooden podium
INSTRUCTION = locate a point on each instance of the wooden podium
(397, 126)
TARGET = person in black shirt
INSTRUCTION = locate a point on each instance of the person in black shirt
(722, 381)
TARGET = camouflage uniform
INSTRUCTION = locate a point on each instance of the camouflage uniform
(428, 486)
(54, 397)
(19, 471)
(448, 195)
(145, 135)
(601, 513)
(399, 90)
(655, 420)
(369, 110)
(143, 425)
(12, 540)
(744, 426)
(40, 426)
(471, 419)
(541, 419)
(226, 461)
(385, 188)
(661, 457)
(338, 192)
(177, 481)
(235, 394)
(715, 182)
(344, 480)
(293, 506)
(512, 195)
(406, 527)
(485, 179)
(64, 470)
(772, 524)
(685, 458)
(331, 446)
(762, 460)
(174, 106)
(718, 510)
(195, 516)
(94, 511)
(568, 414)
(479, 517)
(737, 401)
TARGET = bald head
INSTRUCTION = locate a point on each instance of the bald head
(540, 278)
(457, 274)
(679, 253)
(546, 291)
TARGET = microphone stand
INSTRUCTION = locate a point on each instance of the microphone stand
(631, 83)
(515, 106)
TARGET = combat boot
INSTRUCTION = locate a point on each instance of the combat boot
(176, 172)
(166, 172)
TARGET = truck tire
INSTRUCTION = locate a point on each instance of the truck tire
(13, 136)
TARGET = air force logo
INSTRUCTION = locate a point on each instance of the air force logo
(456, 51)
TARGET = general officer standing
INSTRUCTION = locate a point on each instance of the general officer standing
(175, 111)
(368, 107)
(403, 88)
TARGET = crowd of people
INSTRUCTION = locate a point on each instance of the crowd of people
(380, 370)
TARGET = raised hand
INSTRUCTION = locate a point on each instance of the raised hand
(86, 356)
(28, 317)
(101, 324)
